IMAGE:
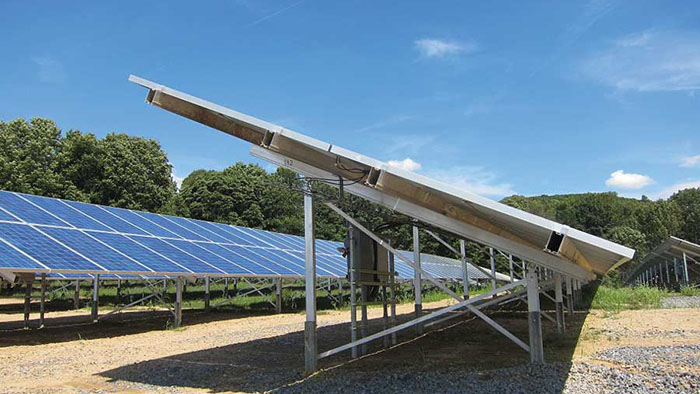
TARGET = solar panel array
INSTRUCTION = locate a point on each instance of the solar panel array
(71, 239)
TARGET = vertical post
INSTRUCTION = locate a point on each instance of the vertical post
(119, 290)
(27, 302)
(341, 297)
(278, 293)
(310, 344)
(42, 302)
(675, 270)
(668, 274)
(510, 266)
(569, 298)
(685, 269)
(207, 294)
(385, 316)
(465, 270)
(353, 288)
(178, 302)
(534, 319)
(225, 287)
(559, 298)
(76, 295)
(493, 270)
(392, 290)
(416, 279)
(95, 297)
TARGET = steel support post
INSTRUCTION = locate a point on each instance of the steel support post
(569, 298)
(417, 278)
(685, 269)
(278, 293)
(510, 267)
(27, 302)
(76, 295)
(668, 274)
(465, 270)
(207, 294)
(534, 319)
(392, 295)
(95, 297)
(493, 269)
(178, 302)
(42, 301)
(559, 302)
(310, 341)
(353, 288)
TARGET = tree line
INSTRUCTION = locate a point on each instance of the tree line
(134, 172)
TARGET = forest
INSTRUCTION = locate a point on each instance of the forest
(134, 172)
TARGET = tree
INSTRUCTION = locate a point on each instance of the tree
(688, 201)
(135, 173)
(28, 159)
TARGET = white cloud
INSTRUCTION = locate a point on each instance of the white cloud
(50, 69)
(177, 179)
(667, 192)
(648, 61)
(433, 48)
(473, 179)
(407, 164)
(623, 180)
(690, 161)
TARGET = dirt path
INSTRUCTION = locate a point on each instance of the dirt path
(226, 352)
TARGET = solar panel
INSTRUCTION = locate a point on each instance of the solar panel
(105, 217)
(65, 212)
(27, 211)
(42, 248)
(68, 237)
(140, 222)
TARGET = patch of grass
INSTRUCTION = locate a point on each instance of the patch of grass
(688, 291)
(611, 299)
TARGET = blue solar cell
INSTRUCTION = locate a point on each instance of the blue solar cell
(11, 258)
(195, 228)
(137, 220)
(240, 233)
(267, 258)
(66, 212)
(243, 261)
(295, 242)
(104, 217)
(211, 258)
(225, 231)
(177, 255)
(139, 253)
(266, 240)
(337, 264)
(171, 226)
(44, 249)
(328, 247)
(298, 261)
(26, 211)
(7, 217)
(95, 251)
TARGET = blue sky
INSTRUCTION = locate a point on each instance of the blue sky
(499, 98)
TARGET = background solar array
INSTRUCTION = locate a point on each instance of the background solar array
(70, 239)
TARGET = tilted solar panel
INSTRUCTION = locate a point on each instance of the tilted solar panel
(72, 239)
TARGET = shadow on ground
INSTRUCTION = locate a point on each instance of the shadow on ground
(463, 346)
(78, 327)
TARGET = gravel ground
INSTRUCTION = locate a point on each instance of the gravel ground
(681, 302)
(227, 352)
(666, 369)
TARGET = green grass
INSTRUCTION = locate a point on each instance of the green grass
(690, 291)
(612, 299)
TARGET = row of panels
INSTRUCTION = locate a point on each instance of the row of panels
(45, 233)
